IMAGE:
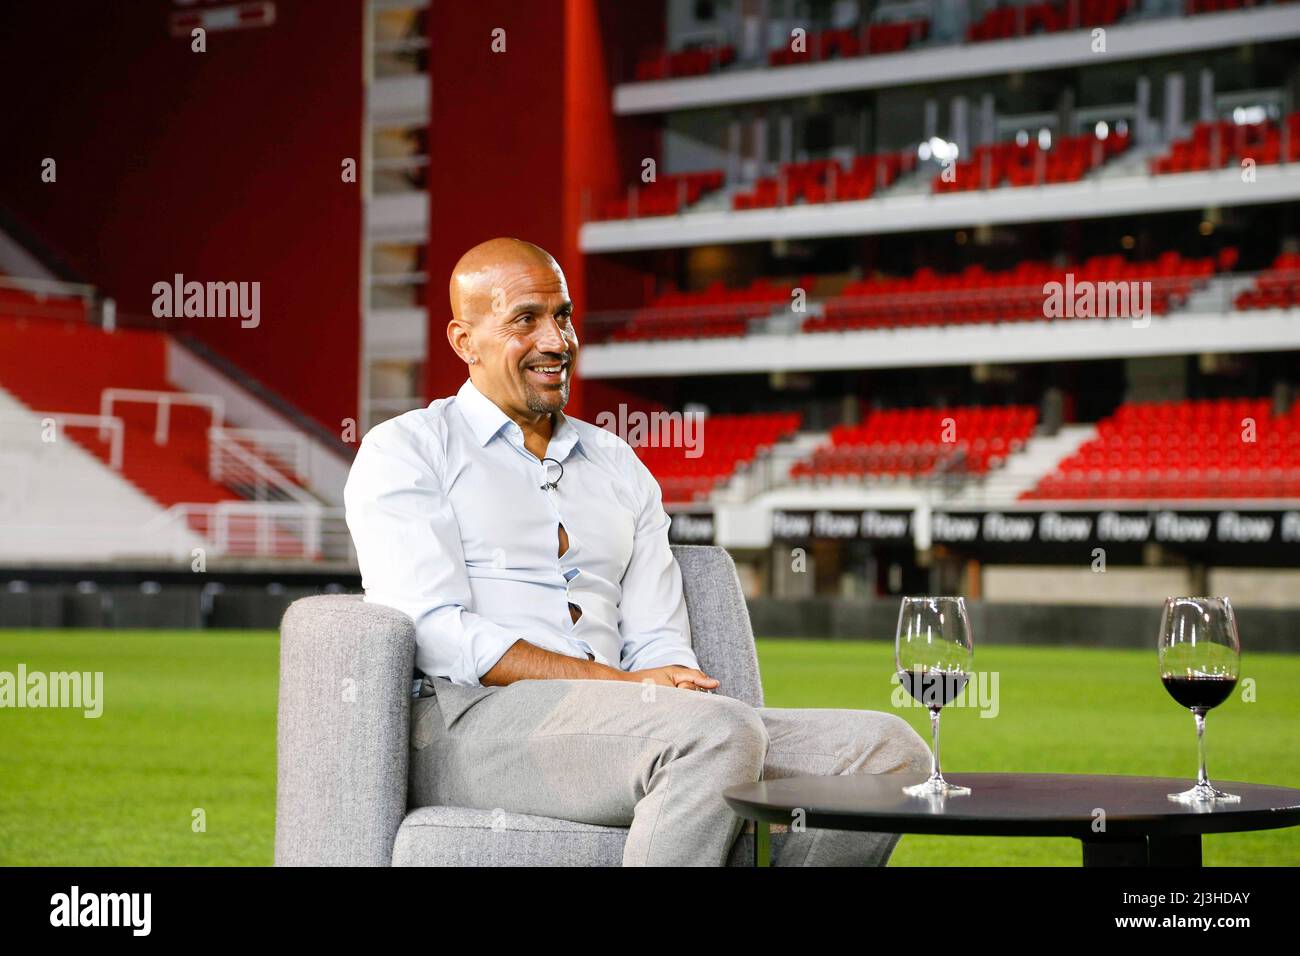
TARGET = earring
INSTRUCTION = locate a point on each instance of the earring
(472, 359)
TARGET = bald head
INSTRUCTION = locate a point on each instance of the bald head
(486, 271)
(512, 324)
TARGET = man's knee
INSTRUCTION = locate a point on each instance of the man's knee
(735, 727)
(890, 742)
(705, 722)
(910, 744)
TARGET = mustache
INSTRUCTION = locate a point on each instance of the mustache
(550, 358)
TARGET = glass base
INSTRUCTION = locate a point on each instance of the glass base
(1204, 793)
(935, 785)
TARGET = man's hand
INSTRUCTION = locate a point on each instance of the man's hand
(674, 675)
(524, 661)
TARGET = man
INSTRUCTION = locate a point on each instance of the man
(531, 551)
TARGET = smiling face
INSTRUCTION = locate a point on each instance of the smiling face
(513, 317)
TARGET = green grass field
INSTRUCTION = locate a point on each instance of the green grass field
(189, 723)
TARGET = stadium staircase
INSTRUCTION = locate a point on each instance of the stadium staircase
(66, 367)
(60, 502)
(1023, 470)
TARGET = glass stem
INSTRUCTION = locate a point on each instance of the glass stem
(934, 745)
(1202, 779)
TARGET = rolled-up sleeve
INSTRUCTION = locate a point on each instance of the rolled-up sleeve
(409, 548)
(654, 628)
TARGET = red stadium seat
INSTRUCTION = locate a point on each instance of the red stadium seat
(668, 195)
(728, 443)
(906, 443)
(1185, 449)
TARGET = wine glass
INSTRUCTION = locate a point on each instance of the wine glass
(933, 653)
(1200, 659)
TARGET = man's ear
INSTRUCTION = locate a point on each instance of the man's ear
(458, 338)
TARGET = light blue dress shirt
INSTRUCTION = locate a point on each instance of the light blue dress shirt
(453, 527)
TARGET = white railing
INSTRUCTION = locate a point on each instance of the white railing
(266, 529)
(230, 461)
(227, 529)
(233, 465)
(109, 427)
(284, 520)
(164, 401)
(263, 529)
(769, 469)
(277, 447)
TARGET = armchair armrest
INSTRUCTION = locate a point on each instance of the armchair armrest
(343, 731)
(721, 635)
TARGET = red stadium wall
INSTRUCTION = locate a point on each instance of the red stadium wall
(223, 166)
(519, 136)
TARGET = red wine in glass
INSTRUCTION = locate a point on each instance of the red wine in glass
(1200, 660)
(933, 688)
(933, 651)
(1203, 692)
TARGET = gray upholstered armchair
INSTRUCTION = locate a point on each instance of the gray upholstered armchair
(344, 727)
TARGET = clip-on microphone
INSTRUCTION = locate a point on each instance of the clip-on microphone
(552, 485)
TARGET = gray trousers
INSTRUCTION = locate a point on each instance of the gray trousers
(653, 759)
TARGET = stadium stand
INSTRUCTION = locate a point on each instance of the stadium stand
(825, 180)
(666, 196)
(912, 442)
(182, 459)
(1030, 163)
(894, 33)
(59, 501)
(847, 42)
(730, 442)
(1219, 448)
(1214, 145)
(925, 298)
(35, 361)
(1277, 287)
(696, 61)
(1017, 20)
(1015, 295)
(712, 312)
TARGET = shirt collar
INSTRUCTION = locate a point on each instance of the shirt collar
(564, 438)
(486, 419)
(482, 414)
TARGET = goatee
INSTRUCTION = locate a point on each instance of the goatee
(543, 405)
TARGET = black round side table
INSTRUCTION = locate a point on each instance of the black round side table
(1120, 820)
